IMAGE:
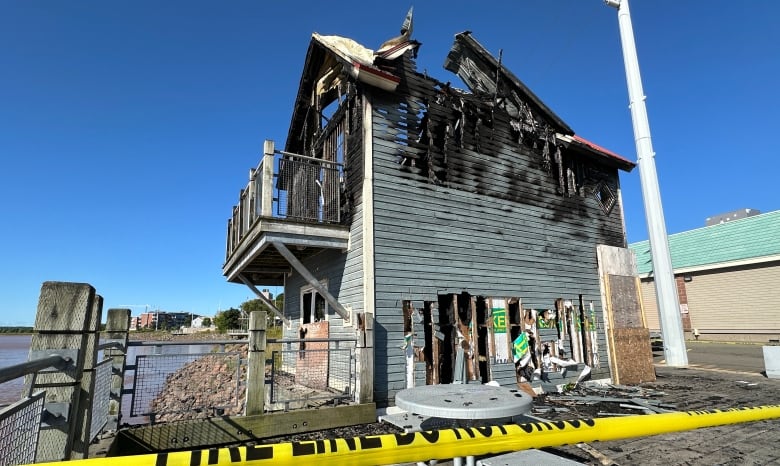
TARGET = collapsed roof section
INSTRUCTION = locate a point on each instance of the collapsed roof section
(332, 62)
(329, 61)
(484, 75)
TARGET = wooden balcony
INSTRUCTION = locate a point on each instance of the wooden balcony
(292, 205)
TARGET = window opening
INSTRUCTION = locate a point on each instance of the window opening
(605, 196)
(314, 307)
(306, 305)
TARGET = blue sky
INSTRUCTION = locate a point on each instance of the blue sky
(128, 128)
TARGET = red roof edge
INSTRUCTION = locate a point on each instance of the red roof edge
(604, 151)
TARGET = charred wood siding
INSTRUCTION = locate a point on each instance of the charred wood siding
(476, 211)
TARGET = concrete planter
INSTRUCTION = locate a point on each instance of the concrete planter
(772, 361)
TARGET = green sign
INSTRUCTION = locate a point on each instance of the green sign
(499, 320)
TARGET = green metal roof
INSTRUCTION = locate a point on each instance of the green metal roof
(737, 240)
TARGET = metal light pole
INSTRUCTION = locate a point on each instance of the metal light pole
(666, 291)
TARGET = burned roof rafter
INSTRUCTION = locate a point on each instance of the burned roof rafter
(484, 74)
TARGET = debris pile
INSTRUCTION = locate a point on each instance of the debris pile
(596, 400)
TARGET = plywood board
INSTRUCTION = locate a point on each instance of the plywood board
(624, 298)
(630, 355)
(633, 356)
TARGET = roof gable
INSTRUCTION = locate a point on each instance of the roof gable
(749, 239)
(332, 59)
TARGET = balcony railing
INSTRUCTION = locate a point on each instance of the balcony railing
(290, 187)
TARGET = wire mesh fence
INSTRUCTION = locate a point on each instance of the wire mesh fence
(309, 190)
(20, 423)
(208, 383)
(311, 373)
(101, 398)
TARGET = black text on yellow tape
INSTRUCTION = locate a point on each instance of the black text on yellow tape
(447, 443)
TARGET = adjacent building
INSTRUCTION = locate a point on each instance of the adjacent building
(727, 276)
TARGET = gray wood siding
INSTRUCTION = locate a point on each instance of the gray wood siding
(495, 226)
(342, 270)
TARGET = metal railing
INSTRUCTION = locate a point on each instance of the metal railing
(21, 422)
(175, 382)
(308, 189)
(289, 187)
(161, 383)
(311, 373)
(101, 398)
(299, 374)
(34, 366)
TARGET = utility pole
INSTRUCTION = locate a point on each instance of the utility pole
(666, 291)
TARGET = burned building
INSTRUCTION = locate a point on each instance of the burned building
(432, 224)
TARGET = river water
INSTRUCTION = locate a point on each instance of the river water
(13, 350)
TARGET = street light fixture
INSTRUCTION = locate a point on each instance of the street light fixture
(666, 291)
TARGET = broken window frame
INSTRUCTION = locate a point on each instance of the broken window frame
(309, 316)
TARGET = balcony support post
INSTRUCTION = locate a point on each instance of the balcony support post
(262, 298)
(311, 280)
(267, 194)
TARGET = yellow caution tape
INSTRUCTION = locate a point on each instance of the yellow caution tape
(448, 443)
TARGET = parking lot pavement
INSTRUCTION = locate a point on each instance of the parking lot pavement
(720, 376)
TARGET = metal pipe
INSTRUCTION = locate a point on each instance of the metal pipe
(111, 345)
(187, 343)
(31, 367)
(306, 157)
(234, 342)
(666, 290)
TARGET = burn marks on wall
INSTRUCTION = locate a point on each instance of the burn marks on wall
(496, 139)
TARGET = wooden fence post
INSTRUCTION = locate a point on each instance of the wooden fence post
(117, 331)
(364, 355)
(255, 374)
(83, 420)
(66, 324)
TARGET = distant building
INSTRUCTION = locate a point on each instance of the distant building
(147, 320)
(728, 216)
(197, 322)
(727, 277)
(163, 320)
(135, 323)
